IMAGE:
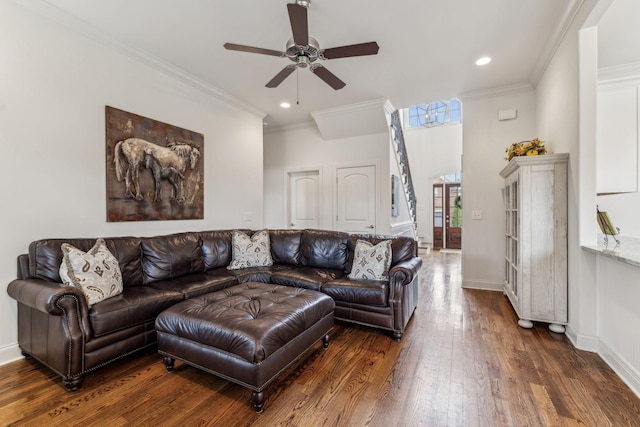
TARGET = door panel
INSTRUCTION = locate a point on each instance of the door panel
(438, 216)
(453, 216)
(304, 197)
(356, 204)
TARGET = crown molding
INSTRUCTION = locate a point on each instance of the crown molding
(308, 124)
(496, 91)
(64, 19)
(555, 39)
(619, 74)
(359, 106)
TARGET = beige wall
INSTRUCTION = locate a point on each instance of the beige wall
(304, 148)
(484, 141)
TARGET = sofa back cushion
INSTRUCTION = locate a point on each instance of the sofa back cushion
(45, 257)
(323, 249)
(285, 246)
(166, 257)
(402, 248)
(216, 248)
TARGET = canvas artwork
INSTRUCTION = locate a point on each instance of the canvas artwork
(155, 171)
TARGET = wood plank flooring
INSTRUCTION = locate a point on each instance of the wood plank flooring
(462, 362)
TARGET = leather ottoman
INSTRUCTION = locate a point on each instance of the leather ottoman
(247, 333)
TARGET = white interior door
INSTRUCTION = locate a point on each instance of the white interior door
(304, 199)
(357, 199)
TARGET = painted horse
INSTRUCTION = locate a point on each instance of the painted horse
(168, 163)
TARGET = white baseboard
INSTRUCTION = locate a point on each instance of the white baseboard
(582, 342)
(483, 285)
(629, 375)
(10, 353)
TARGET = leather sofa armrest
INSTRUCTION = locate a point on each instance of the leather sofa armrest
(404, 272)
(46, 296)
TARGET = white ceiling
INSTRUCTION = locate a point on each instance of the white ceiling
(427, 47)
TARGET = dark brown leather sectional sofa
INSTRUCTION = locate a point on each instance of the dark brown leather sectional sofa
(56, 327)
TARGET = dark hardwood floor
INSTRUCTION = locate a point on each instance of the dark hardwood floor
(462, 362)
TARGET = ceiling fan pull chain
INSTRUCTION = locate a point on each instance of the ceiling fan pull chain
(297, 86)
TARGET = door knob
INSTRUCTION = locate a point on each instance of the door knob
(370, 226)
(292, 224)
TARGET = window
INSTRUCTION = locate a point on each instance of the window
(435, 113)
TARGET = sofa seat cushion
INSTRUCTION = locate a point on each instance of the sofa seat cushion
(135, 305)
(305, 277)
(196, 284)
(369, 292)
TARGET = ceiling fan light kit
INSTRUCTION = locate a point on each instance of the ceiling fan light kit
(304, 51)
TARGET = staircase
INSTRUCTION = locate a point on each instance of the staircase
(403, 164)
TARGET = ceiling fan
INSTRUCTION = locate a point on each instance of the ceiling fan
(304, 51)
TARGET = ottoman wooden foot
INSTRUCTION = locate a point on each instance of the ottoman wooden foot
(169, 362)
(258, 400)
(325, 341)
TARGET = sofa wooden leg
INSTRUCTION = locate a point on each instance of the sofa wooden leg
(169, 362)
(325, 341)
(27, 356)
(258, 400)
(397, 335)
(73, 384)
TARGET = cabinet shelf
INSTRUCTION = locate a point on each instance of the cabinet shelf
(535, 197)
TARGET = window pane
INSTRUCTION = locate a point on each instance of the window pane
(417, 115)
(437, 218)
(454, 110)
(437, 113)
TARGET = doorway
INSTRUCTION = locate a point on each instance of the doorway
(447, 212)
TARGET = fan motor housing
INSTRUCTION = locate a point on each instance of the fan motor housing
(311, 51)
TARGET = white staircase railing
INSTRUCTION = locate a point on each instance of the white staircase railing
(403, 164)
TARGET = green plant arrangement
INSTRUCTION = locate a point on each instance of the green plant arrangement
(525, 148)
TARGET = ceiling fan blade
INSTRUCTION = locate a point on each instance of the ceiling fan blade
(299, 24)
(328, 77)
(279, 78)
(251, 49)
(361, 49)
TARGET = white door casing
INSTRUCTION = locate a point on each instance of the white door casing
(356, 199)
(303, 199)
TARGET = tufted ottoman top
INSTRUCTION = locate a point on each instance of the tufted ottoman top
(251, 320)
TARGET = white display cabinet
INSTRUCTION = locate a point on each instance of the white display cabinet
(535, 197)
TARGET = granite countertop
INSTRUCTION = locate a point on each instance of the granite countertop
(627, 251)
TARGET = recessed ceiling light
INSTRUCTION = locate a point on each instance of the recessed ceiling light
(285, 105)
(483, 61)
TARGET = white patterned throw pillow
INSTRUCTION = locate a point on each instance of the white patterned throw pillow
(371, 262)
(250, 252)
(96, 273)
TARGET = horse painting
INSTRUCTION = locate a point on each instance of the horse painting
(169, 163)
